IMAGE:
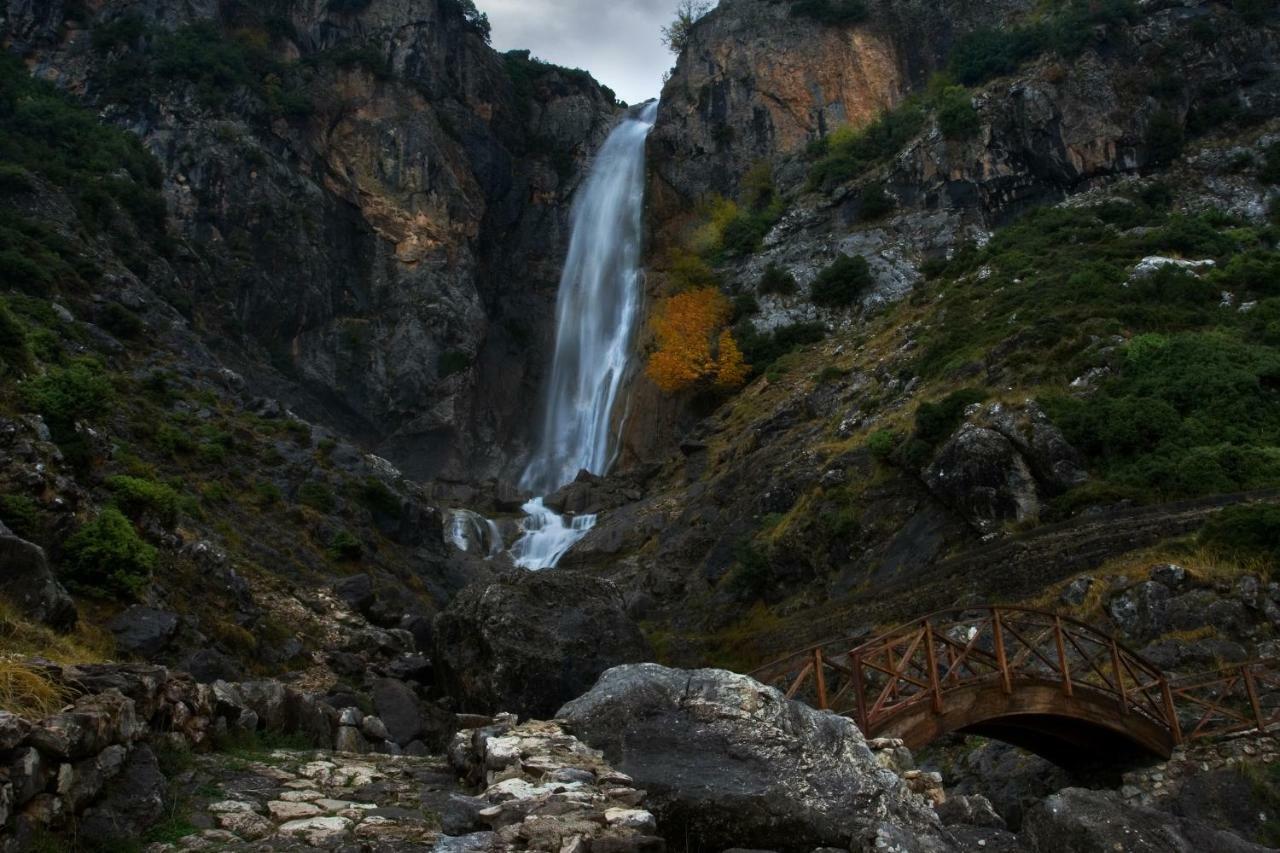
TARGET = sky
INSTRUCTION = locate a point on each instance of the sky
(618, 41)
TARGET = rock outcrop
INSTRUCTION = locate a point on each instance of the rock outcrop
(734, 764)
(363, 203)
(529, 642)
(28, 584)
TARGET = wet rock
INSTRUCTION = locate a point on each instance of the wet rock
(1171, 575)
(134, 801)
(144, 631)
(980, 474)
(1075, 593)
(973, 810)
(209, 665)
(398, 708)
(732, 763)
(1141, 611)
(1082, 821)
(27, 582)
(512, 645)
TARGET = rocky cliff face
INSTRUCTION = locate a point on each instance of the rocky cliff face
(379, 200)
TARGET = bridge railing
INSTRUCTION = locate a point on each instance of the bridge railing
(925, 661)
(1236, 698)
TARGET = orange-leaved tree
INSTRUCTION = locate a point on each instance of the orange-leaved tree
(695, 347)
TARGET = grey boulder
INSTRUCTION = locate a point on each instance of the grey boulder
(729, 763)
(527, 643)
(27, 582)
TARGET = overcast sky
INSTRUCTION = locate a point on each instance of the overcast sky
(618, 41)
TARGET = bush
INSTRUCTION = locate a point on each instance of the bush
(848, 153)
(754, 574)
(876, 203)
(64, 394)
(957, 118)
(762, 350)
(882, 444)
(378, 498)
(1270, 171)
(22, 515)
(935, 422)
(1252, 530)
(15, 348)
(107, 558)
(318, 496)
(776, 280)
(840, 285)
(345, 547)
(1164, 138)
(136, 497)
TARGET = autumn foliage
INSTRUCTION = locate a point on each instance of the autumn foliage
(696, 350)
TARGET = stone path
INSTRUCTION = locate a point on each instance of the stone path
(294, 801)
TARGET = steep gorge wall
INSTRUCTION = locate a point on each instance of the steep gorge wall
(383, 257)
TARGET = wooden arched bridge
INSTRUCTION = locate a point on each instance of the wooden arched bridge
(1048, 683)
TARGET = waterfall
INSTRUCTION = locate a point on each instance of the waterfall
(596, 314)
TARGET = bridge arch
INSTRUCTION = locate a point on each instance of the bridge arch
(1045, 682)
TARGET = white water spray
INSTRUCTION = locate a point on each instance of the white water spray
(596, 314)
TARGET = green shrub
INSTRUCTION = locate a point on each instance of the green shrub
(22, 515)
(846, 154)
(135, 497)
(1270, 171)
(107, 558)
(957, 118)
(318, 496)
(64, 394)
(935, 422)
(15, 179)
(1251, 530)
(761, 350)
(840, 285)
(876, 203)
(776, 280)
(15, 347)
(122, 322)
(882, 444)
(745, 305)
(344, 547)
(753, 576)
(1164, 138)
(266, 494)
(378, 498)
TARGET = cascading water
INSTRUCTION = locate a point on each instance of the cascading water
(596, 314)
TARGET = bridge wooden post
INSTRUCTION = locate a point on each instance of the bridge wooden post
(1171, 711)
(820, 678)
(1002, 659)
(1118, 668)
(1063, 666)
(859, 692)
(1252, 689)
(931, 661)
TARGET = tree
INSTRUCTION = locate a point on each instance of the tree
(688, 12)
(695, 347)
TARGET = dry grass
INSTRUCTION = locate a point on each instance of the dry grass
(28, 692)
(1203, 566)
(86, 644)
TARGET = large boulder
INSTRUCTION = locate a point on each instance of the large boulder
(530, 642)
(729, 763)
(134, 800)
(144, 631)
(27, 582)
(981, 475)
(1076, 820)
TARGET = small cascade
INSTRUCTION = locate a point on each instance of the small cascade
(472, 532)
(547, 537)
